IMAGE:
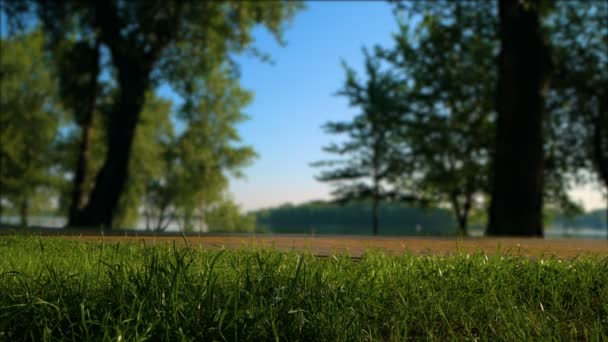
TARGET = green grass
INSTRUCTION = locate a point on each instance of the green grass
(65, 290)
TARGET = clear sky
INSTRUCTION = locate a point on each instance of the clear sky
(295, 96)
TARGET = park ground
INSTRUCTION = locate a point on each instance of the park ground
(355, 246)
(75, 285)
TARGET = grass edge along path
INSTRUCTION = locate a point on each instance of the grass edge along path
(326, 245)
(54, 289)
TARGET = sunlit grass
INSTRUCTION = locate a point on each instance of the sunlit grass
(52, 289)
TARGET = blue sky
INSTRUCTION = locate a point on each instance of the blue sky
(295, 96)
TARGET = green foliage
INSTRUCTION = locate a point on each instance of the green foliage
(372, 152)
(577, 101)
(198, 162)
(184, 44)
(208, 33)
(188, 40)
(425, 125)
(448, 58)
(372, 155)
(190, 47)
(448, 62)
(77, 67)
(66, 290)
(226, 216)
(29, 119)
(439, 82)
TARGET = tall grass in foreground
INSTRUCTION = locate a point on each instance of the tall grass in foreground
(64, 290)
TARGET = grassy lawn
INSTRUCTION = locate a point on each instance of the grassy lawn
(53, 289)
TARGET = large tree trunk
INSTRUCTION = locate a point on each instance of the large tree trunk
(600, 143)
(523, 79)
(24, 208)
(462, 213)
(82, 167)
(80, 174)
(134, 61)
(133, 82)
(375, 203)
(203, 226)
(84, 152)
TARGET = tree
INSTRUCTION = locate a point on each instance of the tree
(448, 61)
(198, 161)
(442, 71)
(579, 32)
(28, 104)
(69, 153)
(154, 132)
(77, 65)
(374, 153)
(226, 216)
(150, 42)
(566, 145)
(524, 67)
(146, 163)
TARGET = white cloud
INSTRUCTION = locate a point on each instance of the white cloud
(592, 196)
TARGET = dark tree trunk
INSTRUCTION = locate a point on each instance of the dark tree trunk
(24, 208)
(462, 226)
(523, 78)
(147, 216)
(600, 143)
(82, 167)
(133, 83)
(160, 221)
(375, 220)
(134, 60)
(462, 213)
(84, 152)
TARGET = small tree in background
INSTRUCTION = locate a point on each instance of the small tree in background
(29, 121)
(372, 153)
(225, 215)
(448, 60)
(198, 161)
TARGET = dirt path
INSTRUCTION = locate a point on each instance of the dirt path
(356, 245)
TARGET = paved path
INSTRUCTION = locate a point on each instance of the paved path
(356, 245)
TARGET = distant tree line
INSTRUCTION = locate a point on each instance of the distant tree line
(484, 106)
(594, 219)
(320, 217)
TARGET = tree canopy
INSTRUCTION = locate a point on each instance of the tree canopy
(146, 43)
(373, 150)
(29, 117)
